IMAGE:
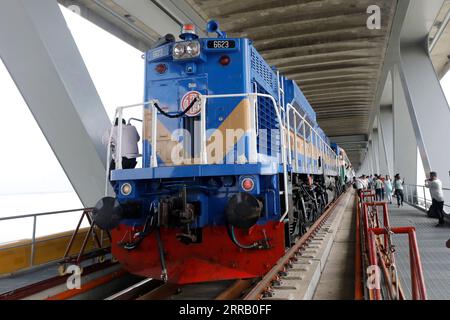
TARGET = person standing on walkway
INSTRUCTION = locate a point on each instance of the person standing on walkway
(359, 186)
(388, 188)
(382, 187)
(437, 196)
(379, 194)
(365, 181)
(398, 186)
(370, 182)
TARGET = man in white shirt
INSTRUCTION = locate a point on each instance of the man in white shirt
(129, 148)
(365, 182)
(358, 185)
(437, 195)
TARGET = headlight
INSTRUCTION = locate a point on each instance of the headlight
(193, 49)
(186, 50)
(126, 189)
(178, 50)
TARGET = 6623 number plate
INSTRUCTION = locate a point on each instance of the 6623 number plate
(221, 44)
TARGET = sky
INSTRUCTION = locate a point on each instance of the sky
(445, 83)
(28, 164)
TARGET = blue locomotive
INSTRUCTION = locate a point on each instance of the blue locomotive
(234, 168)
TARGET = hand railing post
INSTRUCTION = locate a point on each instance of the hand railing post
(253, 115)
(315, 152)
(424, 198)
(119, 141)
(310, 150)
(408, 194)
(322, 155)
(289, 136)
(154, 157)
(295, 142)
(305, 156)
(33, 242)
(417, 263)
(204, 158)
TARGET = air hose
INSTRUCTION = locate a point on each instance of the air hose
(178, 114)
(262, 244)
(149, 226)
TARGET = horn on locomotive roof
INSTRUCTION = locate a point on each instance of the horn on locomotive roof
(213, 26)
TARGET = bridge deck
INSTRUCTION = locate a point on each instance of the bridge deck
(434, 254)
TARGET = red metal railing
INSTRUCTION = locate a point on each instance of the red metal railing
(374, 242)
(359, 286)
(367, 196)
(417, 281)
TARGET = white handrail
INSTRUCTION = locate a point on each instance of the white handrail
(411, 192)
(290, 108)
(118, 152)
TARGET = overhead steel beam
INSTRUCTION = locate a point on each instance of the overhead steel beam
(386, 128)
(391, 56)
(182, 10)
(44, 62)
(151, 15)
(426, 109)
(350, 139)
(376, 151)
(405, 145)
(427, 104)
(114, 23)
(139, 22)
(371, 162)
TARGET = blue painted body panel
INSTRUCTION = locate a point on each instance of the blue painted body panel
(194, 171)
(295, 96)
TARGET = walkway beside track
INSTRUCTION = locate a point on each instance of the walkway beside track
(434, 254)
(337, 279)
(22, 279)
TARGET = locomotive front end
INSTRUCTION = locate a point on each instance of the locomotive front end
(202, 207)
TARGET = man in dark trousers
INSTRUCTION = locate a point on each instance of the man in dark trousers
(437, 196)
(130, 150)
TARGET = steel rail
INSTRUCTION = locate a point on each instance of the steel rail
(46, 284)
(136, 290)
(161, 293)
(235, 290)
(165, 291)
(266, 282)
(91, 285)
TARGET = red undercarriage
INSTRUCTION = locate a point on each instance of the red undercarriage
(216, 258)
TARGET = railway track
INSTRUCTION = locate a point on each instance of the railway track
(293, 277)
(150, 289)
(281, 282)
(297, 273)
